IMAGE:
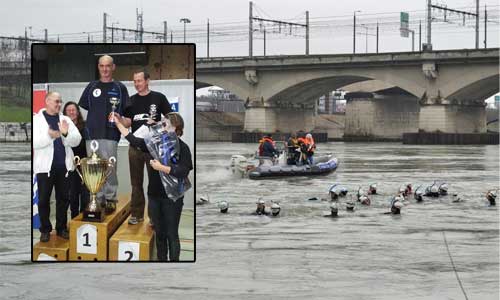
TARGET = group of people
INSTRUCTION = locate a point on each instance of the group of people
(300, 148)
(110, 114)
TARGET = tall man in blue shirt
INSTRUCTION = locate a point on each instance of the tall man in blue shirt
(97, 100)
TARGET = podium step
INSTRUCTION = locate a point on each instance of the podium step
(89, 240)
(132, 242)
(55, 249)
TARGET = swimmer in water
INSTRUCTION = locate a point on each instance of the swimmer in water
(396, 205)
(334, 209)
(275, 209)
(418, 195)
(491, 196)
(261, 208)
(223, 206)
(349, 205)
(372, 190)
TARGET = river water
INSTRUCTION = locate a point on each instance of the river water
(301, 254)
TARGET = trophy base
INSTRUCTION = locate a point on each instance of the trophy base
(93, 216)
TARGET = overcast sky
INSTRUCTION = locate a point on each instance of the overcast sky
(62, 16)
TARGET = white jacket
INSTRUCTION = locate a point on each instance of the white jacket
(43, 144)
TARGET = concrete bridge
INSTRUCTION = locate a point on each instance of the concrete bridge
(449, 86)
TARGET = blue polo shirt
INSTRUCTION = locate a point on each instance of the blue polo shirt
(95, 99)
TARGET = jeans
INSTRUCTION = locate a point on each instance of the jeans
(46, 183)
(78, 194)
(166, 215)
(106, 149)
(137, 159)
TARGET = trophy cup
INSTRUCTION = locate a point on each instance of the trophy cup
(152, 113)
(114, 102)
(94, 172)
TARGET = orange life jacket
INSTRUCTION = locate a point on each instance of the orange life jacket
(261, 144)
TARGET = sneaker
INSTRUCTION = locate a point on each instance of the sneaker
(45, 237)
(110, 207)
(63, 234)
(135, 220)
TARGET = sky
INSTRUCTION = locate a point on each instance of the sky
(61, 17)
(330, 33)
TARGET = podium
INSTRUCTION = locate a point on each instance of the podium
(56, 247)
(132, 242)
(89, 240)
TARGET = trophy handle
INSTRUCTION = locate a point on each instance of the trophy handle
(76, 162)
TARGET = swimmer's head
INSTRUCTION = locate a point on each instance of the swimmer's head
(223, 206)
(275, 209)
(334, 209)
(491, 196)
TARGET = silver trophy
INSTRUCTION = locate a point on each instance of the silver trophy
(152, 113)
(114, 103)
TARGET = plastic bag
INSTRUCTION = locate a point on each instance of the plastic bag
(165, 147)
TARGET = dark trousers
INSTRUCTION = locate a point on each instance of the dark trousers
(136, 160)
(78, 194)
(46, 183)
(166, 215)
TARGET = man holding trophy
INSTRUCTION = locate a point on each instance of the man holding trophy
(146, 108)
(102, 98)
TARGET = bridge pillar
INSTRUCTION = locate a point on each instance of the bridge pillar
(453, 117)
(370, 116)
(279, 118)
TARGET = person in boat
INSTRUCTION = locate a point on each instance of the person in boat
(302, 142)
(491, 196)
(267, 146)
(261, 208)
(293, 149)
(223, 207)
(311, 147)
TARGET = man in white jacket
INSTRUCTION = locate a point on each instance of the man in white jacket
(53, 137)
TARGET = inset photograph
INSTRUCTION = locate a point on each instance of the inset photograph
(113, 152)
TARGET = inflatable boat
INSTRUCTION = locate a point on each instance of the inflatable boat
(322, 165)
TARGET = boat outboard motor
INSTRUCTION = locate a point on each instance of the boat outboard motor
(223, 206)
(364, 200)
(418, 195)
(443, 189)
(491, 196)
(343, 192)
(275, 209)
(396, 205)
(334, 192)
(334, 209)
(261, 207)
(372, 190)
